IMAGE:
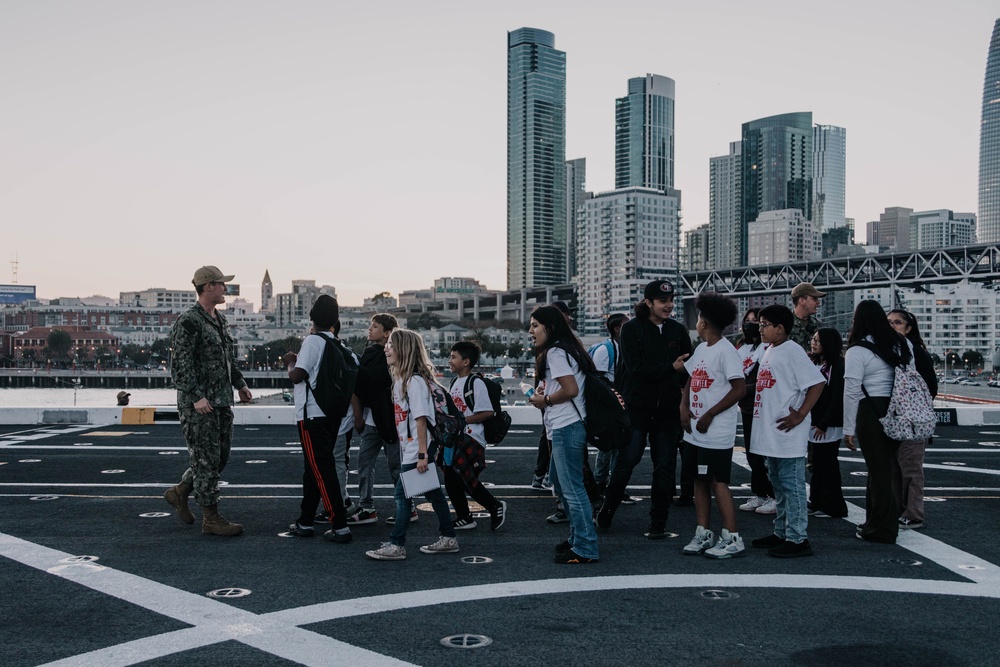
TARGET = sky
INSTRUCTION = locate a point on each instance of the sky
(363, 145)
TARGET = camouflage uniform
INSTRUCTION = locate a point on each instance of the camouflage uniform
(803, 330)
(204, 366)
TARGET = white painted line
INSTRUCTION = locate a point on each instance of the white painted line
(936, 466)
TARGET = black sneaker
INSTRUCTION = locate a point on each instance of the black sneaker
(791, 550)
(333, 536)
(464, 524)
(910, 524)
(570, 557)
(298, 530)
(629, 500)
(656, 531)
(684, 501)
(498, 516)
(563, 547)
(322, 517)
(768, 542)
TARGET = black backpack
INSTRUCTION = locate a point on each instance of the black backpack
(608, 425)
(495, 428)
(335, 379)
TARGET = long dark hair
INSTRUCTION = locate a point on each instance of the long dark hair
(911, 321)
(742, 340)
(870, 320)
(831, 346)
(558, 335)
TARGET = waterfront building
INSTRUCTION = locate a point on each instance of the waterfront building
(576, 193)
(644, 134)
(989, 146)
(726, 242)
(782, 236)
(777, 170)
(458, 286)
(158, 297)
(87, 344)
(536, 160)
(293, 307)
(829, 176)
(625, 239)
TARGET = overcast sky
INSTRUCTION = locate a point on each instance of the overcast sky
(363, 145)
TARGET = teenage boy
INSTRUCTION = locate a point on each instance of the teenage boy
(469, 458)
(788, 386)
(317, 431)
(377, 425)
(607, 356)
(650, 378)
(708, 416)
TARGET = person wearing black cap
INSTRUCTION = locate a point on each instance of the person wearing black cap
(204, 370)
(123, 397)
(650, 378)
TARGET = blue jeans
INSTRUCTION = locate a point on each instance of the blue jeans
(371, 445)
(569, 448)
(788, 476)
(404, 507)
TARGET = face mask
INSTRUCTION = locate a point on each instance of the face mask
(751, 330)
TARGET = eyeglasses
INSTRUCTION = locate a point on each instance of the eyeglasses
(764, 325)
(895, 322)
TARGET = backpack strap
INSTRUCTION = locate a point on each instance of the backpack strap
(469, 392)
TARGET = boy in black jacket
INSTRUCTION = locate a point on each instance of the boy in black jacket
(650, 379)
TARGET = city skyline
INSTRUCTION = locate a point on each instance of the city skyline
(143, 141)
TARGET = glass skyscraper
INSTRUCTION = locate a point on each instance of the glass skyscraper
(989, 146)
(829, 177)
(644, 134)
(777, 158)
(536, 160)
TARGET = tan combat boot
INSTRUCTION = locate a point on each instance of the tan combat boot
(178, 497)
(214, 524)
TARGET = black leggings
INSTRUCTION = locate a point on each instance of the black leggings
(456, 489)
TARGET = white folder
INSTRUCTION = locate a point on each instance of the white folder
(416, 483)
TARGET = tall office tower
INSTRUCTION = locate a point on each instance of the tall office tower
(782, 236)
(777, 168)
(941, 228)
(644, 134)
(626, 238)
(725, 235)
(576, 192)
(829, 169)
(536, 160)
(266, 292)
(892, 229)
(694, 250)
(989, 146)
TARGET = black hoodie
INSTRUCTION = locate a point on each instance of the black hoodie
(375, 391)
(646, 378)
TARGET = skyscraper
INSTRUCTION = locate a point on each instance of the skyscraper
(989, 146)
(536, 160)
(576, 193)
(829, 171)
(644, 134)
(777, 168)
(726, 240)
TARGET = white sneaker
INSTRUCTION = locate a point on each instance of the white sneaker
(753, 503)
(730, 545)
(770, 507)
(701, 541)
(387, 551)
(444, 545)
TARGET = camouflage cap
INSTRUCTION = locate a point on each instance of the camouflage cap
(209, 274)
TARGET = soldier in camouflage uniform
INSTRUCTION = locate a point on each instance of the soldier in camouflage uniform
(805, 303)
(203, 368)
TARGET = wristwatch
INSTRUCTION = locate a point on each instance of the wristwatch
(421, 456)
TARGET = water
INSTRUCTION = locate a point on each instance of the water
(95, 397)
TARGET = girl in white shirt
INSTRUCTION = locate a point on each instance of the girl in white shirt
(560, 364)
(413, 406)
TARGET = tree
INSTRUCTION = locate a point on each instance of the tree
(357, 344)
(382, 300)
(424, 321)
(952, 358)
(58, 344)
(972, 359)
(515, 350)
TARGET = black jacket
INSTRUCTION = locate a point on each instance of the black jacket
(829, 408)
(375, 391)
(646, 377)
(925, 366)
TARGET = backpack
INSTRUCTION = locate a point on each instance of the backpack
(911, 409)
(495, 428)
(448, 428)
(608, 425)
(611, 352)
(335, 379)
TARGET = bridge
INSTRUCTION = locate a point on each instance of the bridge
(913, 269)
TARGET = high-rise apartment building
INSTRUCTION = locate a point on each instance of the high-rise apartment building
(777, 167)
(536, 160)
(694, 250)
(626, 238)
(892, 229)
(576, 193)
(829, 177)
(726, 241)
(782, 236)
(644, 134)
(941, 228)
(989, 146)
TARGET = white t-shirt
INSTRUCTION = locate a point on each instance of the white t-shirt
(481, 399)
(417, 404)
(308, 360)
(559, 364)
(862, 366)
(750, 355)
(785, 374)
(603, 360)
(711, 368)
